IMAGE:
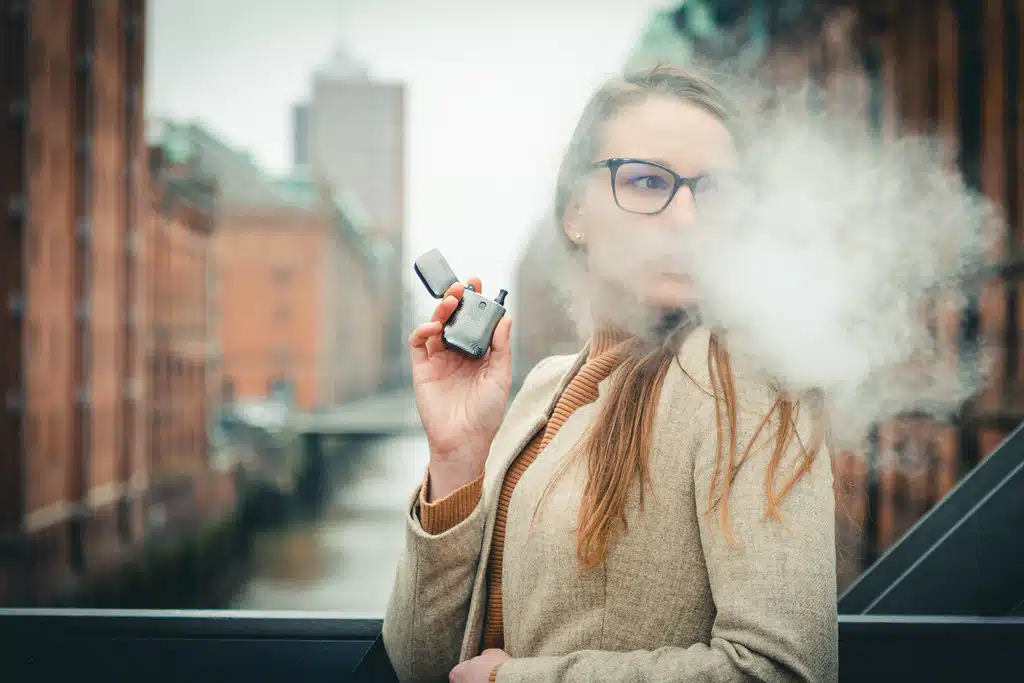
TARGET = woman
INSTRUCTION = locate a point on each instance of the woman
(643, 512)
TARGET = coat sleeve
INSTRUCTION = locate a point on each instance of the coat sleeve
(428, 609)
(429, 605)
(775, 594)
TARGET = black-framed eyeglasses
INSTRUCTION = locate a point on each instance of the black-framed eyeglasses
(646, 187)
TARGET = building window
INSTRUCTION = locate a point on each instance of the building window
(227, 390)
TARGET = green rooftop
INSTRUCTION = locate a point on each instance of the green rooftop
(350, 206)
(242, 183)
(667, 40)
(661, 42)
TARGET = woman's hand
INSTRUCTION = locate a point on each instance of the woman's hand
(461, 400)
(478, 669)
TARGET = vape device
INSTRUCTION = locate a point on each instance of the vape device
(470, 328)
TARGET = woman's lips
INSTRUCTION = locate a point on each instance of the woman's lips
(675, 277)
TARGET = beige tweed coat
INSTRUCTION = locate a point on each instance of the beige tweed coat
(673, 601)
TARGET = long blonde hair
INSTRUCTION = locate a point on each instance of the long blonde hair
(617, 448)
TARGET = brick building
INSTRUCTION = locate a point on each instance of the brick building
(72, 431)
(183, 380)
(295, 306)
(102, 341)
(295, 279)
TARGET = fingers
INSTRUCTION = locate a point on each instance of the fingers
(444, 310)
(458, 288)
(501, 342)
(426, 339)
(423, 333)
(420, 337)
(455, 290)
(436, 343)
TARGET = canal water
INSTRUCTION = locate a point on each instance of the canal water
(345, 560)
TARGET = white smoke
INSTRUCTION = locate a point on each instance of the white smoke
(826, 256)
(821, 252)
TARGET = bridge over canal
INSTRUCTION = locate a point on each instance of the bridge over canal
(387, 414)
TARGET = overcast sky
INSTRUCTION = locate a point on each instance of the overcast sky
(494, 89)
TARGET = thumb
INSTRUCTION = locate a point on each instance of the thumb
(501, 342)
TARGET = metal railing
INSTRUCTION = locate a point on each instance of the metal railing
(255, 647)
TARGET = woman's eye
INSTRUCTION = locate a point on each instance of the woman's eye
(650, 182)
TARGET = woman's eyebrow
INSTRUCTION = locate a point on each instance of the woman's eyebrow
(661, 162)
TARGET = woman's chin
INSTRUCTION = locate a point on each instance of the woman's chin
(670, 295)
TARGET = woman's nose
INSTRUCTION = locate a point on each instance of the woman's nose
(683, 208)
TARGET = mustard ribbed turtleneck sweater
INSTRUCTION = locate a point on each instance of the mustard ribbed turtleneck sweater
(607, 350)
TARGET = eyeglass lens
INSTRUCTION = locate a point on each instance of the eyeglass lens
(645, 188)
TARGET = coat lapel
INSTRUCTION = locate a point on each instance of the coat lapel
(528, 415)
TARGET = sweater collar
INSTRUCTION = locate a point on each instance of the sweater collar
(605, 339)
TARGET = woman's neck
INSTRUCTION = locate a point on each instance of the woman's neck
(675, 324)
(617, 316)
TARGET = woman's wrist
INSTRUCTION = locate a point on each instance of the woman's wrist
(447, 476)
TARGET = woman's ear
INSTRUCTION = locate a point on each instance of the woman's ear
(572, 221)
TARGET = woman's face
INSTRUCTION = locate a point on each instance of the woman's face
(633, 237)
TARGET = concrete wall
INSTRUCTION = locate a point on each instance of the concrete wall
(357, 142)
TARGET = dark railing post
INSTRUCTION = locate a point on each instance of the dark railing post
(312, 489)
(869, 537)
